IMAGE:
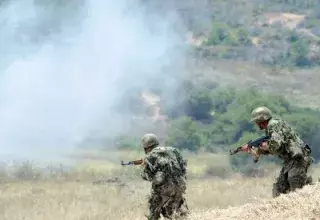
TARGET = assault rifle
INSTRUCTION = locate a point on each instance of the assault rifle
(253, 148)
(133, 162)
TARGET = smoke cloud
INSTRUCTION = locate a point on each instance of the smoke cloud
(61, 76)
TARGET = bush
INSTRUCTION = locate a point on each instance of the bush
(233, 120)
(306, 122)
(223, 34)
(126, 142)
(299, 53)
(183, 134)
(199, 105)
(191, 100)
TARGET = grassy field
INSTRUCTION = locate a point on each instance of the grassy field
(99, 188)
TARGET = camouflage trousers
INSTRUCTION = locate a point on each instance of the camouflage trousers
(293, 175)
(171, 205)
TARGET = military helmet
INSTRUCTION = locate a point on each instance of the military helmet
(261, 113)
(149, 140)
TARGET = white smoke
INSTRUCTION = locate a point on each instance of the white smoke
(54, 89)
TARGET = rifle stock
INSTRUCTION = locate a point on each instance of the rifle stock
(133, 162)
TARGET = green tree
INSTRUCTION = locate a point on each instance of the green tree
(190, 100)
(222, 98)
(199, 105)
(243, 37)
(234, 119)
(221, 33)
(299, 53)
(183, 134)
(126, 142)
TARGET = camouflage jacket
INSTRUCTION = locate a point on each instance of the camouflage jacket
(284, 140)
(163, 164)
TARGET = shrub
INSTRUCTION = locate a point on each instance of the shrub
(223, 34)
(126, 142)
(183, 134)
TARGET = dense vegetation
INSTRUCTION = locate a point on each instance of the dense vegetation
(250, 30)
(217, 120)
(282, 33)
(258, 31)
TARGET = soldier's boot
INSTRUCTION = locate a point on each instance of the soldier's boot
(275, 190)
(153, 217)
(279, 189)
(296, 184)
(181, 209)
(309, 180)
(153, 214)
(167, 212)
(184, 209)
(178, 214)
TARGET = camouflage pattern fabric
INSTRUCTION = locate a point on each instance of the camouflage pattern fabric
(285, 143)
(165, 168)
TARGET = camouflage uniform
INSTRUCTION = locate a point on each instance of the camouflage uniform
(165, 168)
(285, 143)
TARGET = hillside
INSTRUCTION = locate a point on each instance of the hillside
(272, 45)
(299, 85)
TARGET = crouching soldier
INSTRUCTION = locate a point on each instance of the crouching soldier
(165, 168)
(285, 143)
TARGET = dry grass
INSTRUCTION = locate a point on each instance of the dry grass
(76, 195)
(304, 204)
(84, 200)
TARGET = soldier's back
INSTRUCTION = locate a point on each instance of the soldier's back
(288, 132)
(285, 134)
(169, 160)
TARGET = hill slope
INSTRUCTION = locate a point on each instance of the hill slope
(304, 204)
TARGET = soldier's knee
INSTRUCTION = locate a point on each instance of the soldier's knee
(281, 187)
(183, 211)
(153, 213)
(309, 180)
(296, 182)
(297, 177)
(153, 217)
